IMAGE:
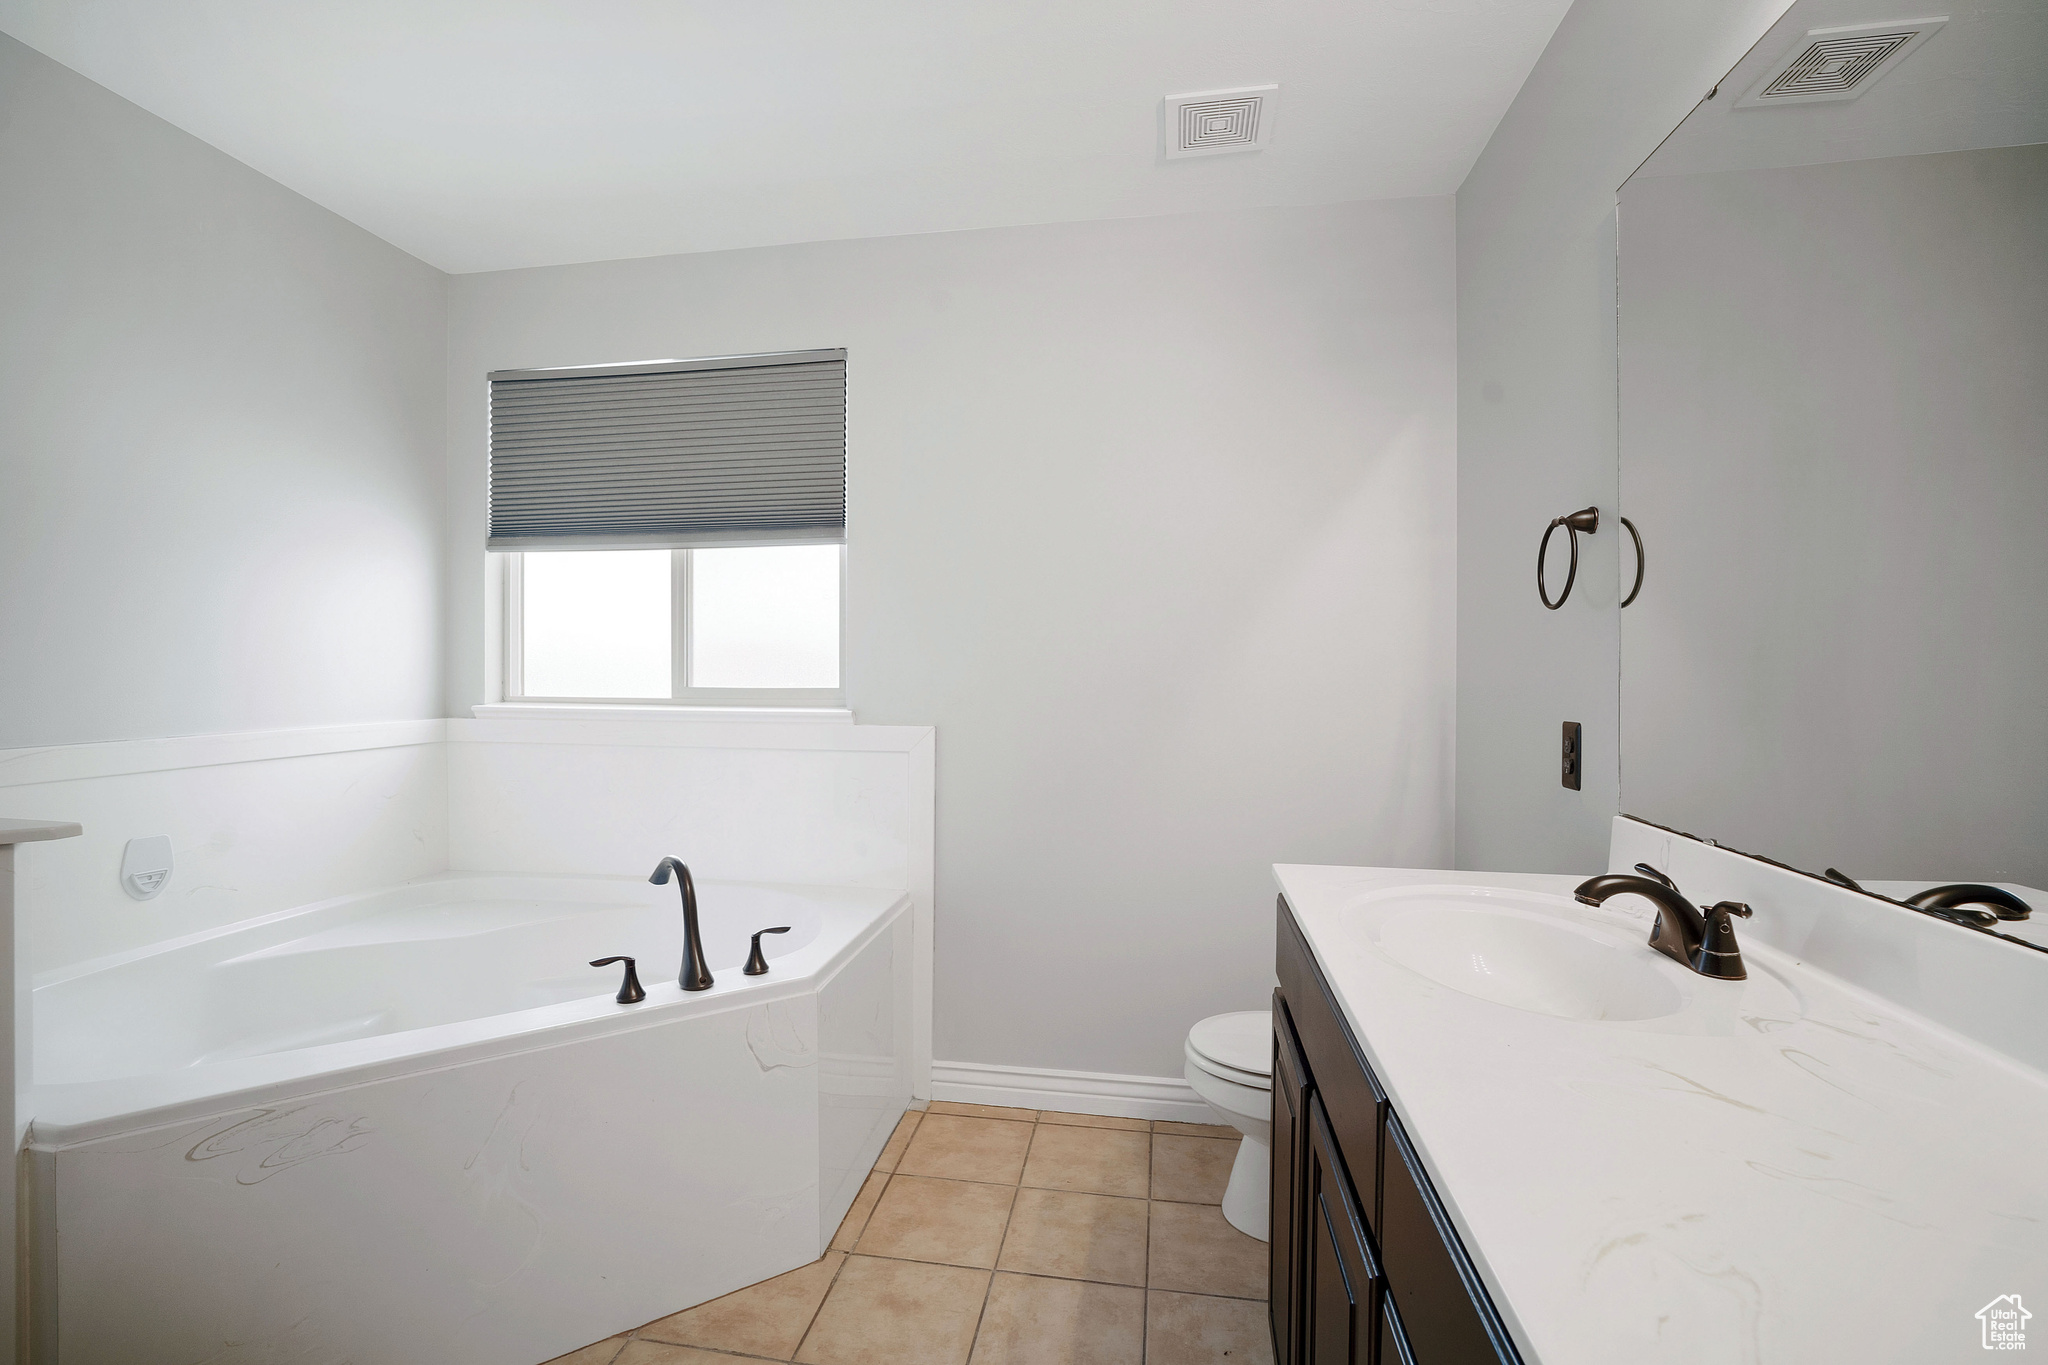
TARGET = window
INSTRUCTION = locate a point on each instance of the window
(730, 625)
(677, 529)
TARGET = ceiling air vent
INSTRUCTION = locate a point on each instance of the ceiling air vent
(1210, 122)
(1838, 63)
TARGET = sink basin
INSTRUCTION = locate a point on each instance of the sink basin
(1529, 964)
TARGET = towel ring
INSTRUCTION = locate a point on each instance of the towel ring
(1586, 519)
(1637, 537)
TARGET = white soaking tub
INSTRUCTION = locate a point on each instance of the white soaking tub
(414, 1126)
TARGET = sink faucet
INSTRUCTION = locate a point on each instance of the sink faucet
(695, 976)
(1703, 939)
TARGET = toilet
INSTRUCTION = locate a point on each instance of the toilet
(1230, 1064)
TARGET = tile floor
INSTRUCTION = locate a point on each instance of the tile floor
(993, 1236)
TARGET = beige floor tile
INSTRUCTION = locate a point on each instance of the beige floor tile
(984, 1111)
(1089, 1160)
(765, 1319)
(955, 1147)
(661, 1353)
(1030, 1321)
(1095, 1121)
(897, 1313)
(892, 1150)
(955, 1222)
(857, 1216)
(1214, 1130)
(597, 1353)
(1189, 1329)
(1191, 1170)
(1194, 1251)
(1076, 1236)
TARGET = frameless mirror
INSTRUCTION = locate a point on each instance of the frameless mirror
(1833, 293)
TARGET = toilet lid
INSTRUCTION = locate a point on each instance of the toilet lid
(1242, 1041)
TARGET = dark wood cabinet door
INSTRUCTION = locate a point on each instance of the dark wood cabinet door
(1290, 1154)
(1340, 1275)
(1443, 1312)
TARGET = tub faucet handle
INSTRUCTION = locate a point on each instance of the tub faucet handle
(630, 992)
(757, 965)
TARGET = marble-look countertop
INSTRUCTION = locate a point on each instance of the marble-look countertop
(1787, 1170)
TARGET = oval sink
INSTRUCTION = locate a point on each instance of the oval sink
(1529, 965)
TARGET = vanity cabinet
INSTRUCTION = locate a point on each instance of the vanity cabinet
(1366, 1267)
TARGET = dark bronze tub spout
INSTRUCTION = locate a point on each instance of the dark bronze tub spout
(695, 976)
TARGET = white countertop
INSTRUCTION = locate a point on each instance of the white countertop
(1788, 1170)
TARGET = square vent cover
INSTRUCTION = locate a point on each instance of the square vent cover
(1212, 122)
(1838, 63)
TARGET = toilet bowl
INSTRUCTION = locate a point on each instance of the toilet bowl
(1230, 1065)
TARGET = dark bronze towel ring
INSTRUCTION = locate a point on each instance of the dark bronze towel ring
(1586, 519)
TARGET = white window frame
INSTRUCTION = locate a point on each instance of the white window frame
(680, 693)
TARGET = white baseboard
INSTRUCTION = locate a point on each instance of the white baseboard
(1073, 1092)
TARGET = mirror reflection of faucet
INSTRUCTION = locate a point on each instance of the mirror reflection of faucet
(1971, 904)
(1702, 938)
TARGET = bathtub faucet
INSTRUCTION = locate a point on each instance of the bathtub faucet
(695, 976)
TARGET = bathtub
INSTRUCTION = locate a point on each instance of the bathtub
(412, 1125)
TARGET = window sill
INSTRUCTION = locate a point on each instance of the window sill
(723, 715)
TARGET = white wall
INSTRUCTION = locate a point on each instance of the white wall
(1152, 519)
(220, 437)
(1536, 412)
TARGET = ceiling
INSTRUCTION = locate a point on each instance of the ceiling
(489, 134)
(1981, 81)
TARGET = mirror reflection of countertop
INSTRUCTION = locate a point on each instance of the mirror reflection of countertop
(1647, 1165)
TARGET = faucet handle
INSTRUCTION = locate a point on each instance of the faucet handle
(630, 992)
(1644, 869)
(757, 964)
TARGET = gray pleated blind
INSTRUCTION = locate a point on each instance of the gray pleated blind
(740, 449)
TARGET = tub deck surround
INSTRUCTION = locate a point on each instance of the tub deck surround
(268, 821)
(467, 962)
(1789, 1169)
(36, 831)
(15, 1034)
(482, 1166)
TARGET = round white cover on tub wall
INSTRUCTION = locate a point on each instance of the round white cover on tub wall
(1241, 1041)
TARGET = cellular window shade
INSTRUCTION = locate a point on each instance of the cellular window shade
(737, 450)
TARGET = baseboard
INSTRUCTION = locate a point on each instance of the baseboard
(1073, 1092)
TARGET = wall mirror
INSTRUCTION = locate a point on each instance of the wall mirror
(1833, 327)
